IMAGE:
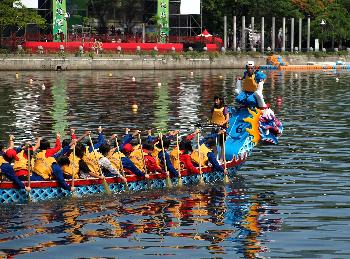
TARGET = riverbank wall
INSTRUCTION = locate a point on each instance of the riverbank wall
(149, 62)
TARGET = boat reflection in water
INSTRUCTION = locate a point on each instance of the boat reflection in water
(215, 221)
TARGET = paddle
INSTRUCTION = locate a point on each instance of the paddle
(167, 180)
(226, 178)
(73, 172)
(179, 184)
(104, 182)
(29, 173)
(143, 158)
(126, 186)
(201, 180)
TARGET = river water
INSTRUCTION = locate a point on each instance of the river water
(287, 201)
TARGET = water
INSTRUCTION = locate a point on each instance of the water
(288, 201)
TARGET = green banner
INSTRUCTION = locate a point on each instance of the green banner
(163, 15)
(59, 23)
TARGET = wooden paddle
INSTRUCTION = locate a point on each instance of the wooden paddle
(167, 180)
(104, 182)
(226, 178)
(29, 173)
(126, 186)
(143, 159)
(201, 180)
(73, 172)
(179, 184)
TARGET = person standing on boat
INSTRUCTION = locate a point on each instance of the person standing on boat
(249, 88)
(6, 169)
(219, 113)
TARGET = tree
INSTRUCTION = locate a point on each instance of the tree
(19, 17)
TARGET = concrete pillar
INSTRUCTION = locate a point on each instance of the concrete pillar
(273, 40)
(143, 33)
(284, 34)
(225, 32)
(292, 35)
(300, 28)
(262, 34)
(308, 34)
(243, 33)
(234, 33)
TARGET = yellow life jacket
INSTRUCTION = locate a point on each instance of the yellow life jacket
(42, 165)
(115, 158)
(22, 162)
(92, 161)
(218, 116)
(249, 84)
(2, 161)
(174, 154)
(204, 150)
(73, 167)
(136, 157)
(155, 153)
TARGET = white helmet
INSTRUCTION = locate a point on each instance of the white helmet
(250, 64)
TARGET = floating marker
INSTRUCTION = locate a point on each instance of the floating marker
(30, 81)
(296, 75)
(133, 79)
(159, 84)
(191, 73)
(43, 86)
(220, 77)
(337, 79)
(110, 74)
(134, 106)
(17, 75)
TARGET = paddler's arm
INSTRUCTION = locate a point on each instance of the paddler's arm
(212, 159)
(100, 140)
(58, 173)
(56, 148)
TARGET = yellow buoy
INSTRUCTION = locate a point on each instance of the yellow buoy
(110, 74)
(30, 81)
(220, 77)
(17, 75)
(134, 106)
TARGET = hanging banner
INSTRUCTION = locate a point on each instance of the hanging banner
(163, 22)
(59, 24)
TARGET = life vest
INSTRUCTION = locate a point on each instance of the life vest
(92, 161)
(218, 116)
(42, 165)
(249, 84)
(204, 150)
(115, 158)
(22, 162)
(2, 160)
(73, 167)
(174, 155)
(155, 153)
(136, 157)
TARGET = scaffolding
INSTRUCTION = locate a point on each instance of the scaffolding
(184, 24)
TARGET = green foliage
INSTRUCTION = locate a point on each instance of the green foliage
(11, 16)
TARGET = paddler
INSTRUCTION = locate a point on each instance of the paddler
(46, 167)
(6, 169)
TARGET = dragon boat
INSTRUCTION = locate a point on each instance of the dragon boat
(247, 128)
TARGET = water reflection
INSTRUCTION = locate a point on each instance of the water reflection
(215, 219)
